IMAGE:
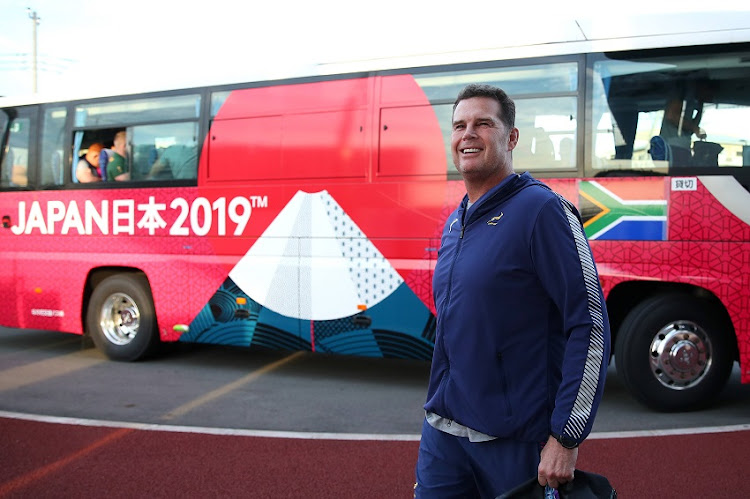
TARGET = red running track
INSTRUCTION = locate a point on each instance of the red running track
(48, 460)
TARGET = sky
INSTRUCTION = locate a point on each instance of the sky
(100, 47)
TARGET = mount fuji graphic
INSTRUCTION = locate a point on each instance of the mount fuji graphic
(314, 263)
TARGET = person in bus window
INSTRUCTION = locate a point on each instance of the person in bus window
(522, 339)
(678, 126)
(87, 169)
(117, 169)
(567, 152)
(177, 161)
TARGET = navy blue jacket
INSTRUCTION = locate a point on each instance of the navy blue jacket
(522, 342)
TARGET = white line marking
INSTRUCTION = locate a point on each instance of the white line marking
(335, 436)
(669, 432)
(209, 431)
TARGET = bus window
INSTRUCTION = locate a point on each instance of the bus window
(659, 111)
(162, 134)
(727, 125)
(126, 112)
(217, 100)
(168, 151)
(547, 124)
(5, 121)
(547, 133)
(15, 161)
(515, 80)
(53, 145)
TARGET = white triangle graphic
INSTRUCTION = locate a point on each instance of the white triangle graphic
(314, 263)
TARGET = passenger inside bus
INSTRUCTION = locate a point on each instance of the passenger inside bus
(177, 161)
(87, 169)
(677, 129)
(544, 150)
(567, 152)
(117, 168)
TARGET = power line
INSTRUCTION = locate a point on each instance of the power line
(45, 63)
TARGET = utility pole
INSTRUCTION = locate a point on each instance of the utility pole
(35, 21)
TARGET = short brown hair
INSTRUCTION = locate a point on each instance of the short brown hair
(507, 106)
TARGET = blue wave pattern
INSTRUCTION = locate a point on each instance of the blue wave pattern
(400, 326)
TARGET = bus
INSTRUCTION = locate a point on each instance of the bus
(306, 213)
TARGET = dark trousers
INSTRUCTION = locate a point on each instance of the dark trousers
(453, 467)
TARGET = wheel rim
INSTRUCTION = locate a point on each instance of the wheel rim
(119, 319)
(680, 355)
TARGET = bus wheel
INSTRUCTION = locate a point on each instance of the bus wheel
(673, 353)
(121, 318)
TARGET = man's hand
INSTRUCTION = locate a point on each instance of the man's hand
(557, 464)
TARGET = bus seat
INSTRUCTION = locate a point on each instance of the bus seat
(707, 153)
(659, 149)
(104, 157)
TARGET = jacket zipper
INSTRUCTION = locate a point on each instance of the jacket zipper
(450, 279)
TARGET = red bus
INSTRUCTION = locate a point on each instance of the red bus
(306, 214)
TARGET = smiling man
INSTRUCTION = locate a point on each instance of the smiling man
(522, 341)
(482, 143)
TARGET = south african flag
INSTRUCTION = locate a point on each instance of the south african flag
(624, 209)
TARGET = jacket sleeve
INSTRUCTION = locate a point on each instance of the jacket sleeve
(565, 266)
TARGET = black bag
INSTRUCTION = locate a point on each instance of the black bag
(706, 153)
(585, 485)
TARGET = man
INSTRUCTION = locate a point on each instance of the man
(679, 126)
(117, 169)
(178, 161)
(522, 341)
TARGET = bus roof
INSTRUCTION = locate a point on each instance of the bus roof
(547, 37)
(555, 37)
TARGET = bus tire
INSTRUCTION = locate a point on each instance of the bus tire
(674, 353)
(121, 318)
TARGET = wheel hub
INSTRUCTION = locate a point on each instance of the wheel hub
(680, 355)
(119, 319)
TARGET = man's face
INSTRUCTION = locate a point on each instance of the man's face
(480, 143)
(93, 157)
(120, 145)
